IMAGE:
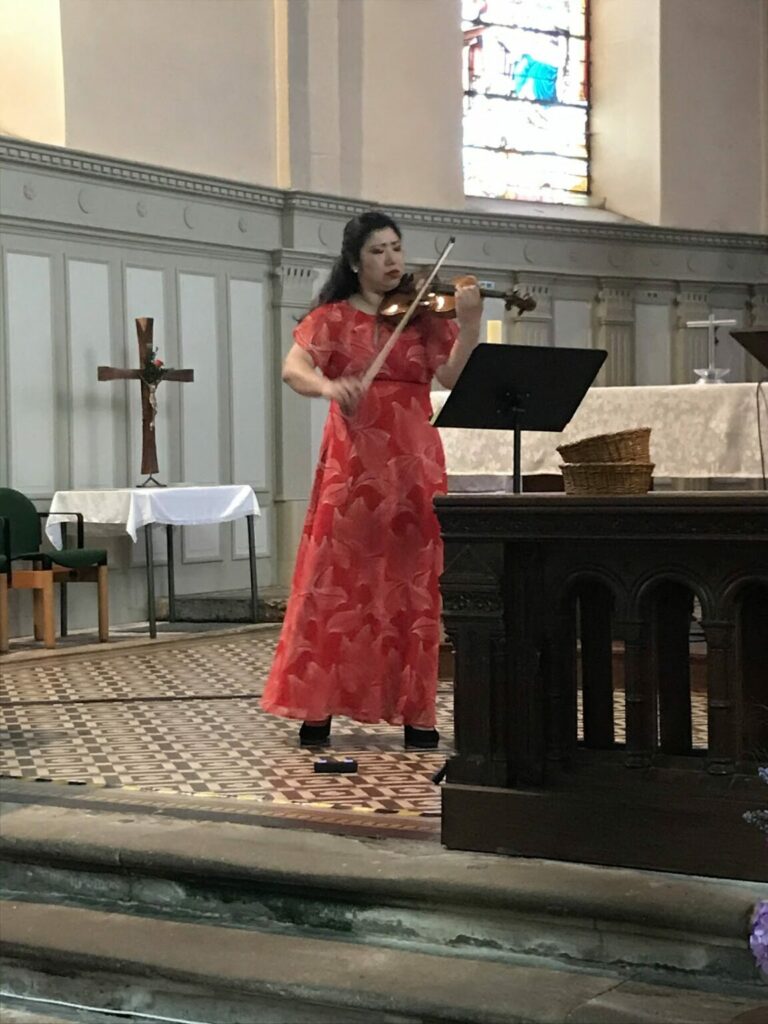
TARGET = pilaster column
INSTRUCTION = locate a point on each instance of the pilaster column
(689, 345)
(535, 327)
(614, 330)
(295, 280)
(757, 316)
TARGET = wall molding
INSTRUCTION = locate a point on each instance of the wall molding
(110, 170)
(102, 169)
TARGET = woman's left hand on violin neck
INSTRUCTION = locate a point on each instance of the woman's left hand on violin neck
(469, 303)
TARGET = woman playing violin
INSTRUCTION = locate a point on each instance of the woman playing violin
(362, 626)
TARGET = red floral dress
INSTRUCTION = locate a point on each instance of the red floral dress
(362, 626)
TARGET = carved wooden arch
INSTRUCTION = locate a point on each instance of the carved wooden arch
(612, 581)
(730, 594)
(642, 590)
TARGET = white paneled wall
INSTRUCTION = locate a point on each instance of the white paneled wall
(72, 307)
(32, 367)
(201, 350)
(250, 403)
(572, 323)
(247, 331)
(652, 344)
(94, 440)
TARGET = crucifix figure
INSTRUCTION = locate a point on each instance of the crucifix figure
(151, 372)
(710, 375)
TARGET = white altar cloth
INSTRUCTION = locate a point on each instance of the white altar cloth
(697, 431)
(133, 507)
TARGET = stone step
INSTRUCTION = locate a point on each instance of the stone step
(227, 975)
(383, 893)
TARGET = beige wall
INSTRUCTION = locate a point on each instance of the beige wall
(714, 126)
(31, 72)
(172, 82)
(626, 114)
(374, 113)
(680, 115)
(412, 109)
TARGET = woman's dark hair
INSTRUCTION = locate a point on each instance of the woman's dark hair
(342, 281)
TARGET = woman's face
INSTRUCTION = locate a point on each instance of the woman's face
(381, 262)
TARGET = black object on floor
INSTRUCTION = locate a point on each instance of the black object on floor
(327, 765)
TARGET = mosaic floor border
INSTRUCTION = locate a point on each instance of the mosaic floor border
(237, 811)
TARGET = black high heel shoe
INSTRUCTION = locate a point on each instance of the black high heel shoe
(420, 739)
(315, 735)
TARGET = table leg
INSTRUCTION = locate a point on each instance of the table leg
(150, 580)
(171, 576)
(252, 560)
(63, 588)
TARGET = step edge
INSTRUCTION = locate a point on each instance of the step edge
(693, 906)
(159, 957)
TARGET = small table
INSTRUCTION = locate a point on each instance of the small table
(136, 507)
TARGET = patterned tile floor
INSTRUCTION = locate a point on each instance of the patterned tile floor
(181, 716)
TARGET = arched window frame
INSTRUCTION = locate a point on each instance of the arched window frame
(526, 99)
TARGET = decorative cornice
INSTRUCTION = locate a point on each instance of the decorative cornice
(100, 168)
(109, 169)
(447, 220)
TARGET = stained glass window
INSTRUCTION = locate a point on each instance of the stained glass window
(526, 99)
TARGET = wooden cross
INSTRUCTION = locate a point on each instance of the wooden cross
(144, 326)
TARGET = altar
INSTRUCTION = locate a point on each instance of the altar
(698, 432)
(536, 590)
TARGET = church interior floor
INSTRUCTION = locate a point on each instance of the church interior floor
(180, 717)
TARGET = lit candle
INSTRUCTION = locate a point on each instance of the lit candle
(494, 332)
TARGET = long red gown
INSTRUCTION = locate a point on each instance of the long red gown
(362, 625)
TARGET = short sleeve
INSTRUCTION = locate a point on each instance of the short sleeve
(313, 334)
(440, 340)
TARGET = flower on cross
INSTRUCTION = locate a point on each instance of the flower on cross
(154, 369)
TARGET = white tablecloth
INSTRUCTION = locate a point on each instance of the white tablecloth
(697, 431)
(130, 508)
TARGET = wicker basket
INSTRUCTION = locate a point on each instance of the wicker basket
(586, 478)
(626, 446)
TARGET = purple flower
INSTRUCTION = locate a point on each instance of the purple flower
(758, 939)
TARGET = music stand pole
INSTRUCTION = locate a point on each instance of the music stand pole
(514, 402)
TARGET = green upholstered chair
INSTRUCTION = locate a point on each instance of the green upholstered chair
(22, 537)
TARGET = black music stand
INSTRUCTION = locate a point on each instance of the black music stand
(520, 387)
(755, 341)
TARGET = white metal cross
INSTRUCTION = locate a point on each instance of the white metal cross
(711, 375)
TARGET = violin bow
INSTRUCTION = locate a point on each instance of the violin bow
(380, 359)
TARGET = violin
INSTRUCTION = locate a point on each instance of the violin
(440, 299)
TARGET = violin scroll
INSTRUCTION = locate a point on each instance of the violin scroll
(522, 303)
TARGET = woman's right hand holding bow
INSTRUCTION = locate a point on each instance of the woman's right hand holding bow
(347, 391)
